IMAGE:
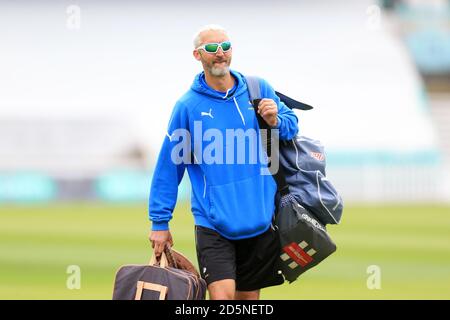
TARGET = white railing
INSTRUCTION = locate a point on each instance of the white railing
(410, 183)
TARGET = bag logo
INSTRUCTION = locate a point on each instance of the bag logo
(297, 254)
(318, 156)
(313, 222)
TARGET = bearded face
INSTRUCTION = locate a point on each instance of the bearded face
(219, 66)
(216, 64)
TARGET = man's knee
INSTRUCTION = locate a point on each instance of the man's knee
(247, 295)
(222, 289)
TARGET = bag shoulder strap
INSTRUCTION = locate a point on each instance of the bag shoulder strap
(253, 87)
(255, 93)
(255, 96)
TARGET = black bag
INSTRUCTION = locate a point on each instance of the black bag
(174, 278)
(304, 240)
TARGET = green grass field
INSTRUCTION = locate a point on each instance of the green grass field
(410, 244)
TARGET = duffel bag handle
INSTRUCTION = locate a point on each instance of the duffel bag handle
(171, 261)
(162, 260)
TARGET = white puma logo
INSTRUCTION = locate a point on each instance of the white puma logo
(169, 136)
(207, 113)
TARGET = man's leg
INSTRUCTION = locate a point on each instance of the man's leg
(222, 289)
(255, 261)
(216, 261)
(247, 295)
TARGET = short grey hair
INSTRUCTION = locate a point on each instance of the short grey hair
(208, 27)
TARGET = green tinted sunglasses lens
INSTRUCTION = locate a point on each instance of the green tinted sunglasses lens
(226, 46)
(211, 47)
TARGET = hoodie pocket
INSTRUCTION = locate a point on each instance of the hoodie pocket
(243, 208)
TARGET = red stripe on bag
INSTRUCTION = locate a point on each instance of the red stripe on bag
(297, 254)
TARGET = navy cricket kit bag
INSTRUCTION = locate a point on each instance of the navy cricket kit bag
(305, 201)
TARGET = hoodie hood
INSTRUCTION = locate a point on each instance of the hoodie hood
(200, 86)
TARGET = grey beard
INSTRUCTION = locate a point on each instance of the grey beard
(219, 72)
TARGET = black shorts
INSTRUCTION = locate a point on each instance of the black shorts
(250, 262)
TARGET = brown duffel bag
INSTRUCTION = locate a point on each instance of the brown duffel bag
(173, 277)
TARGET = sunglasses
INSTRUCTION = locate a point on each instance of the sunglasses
(213, 47)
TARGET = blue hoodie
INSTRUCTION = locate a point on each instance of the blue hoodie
(229, 193)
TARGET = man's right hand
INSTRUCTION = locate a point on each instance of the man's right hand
(160, 239)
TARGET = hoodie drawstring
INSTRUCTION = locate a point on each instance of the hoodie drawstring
(236, 104)
(239, 110)
(226, 94)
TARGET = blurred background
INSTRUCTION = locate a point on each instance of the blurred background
(86, 91)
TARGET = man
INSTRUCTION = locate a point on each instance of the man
(232, 202)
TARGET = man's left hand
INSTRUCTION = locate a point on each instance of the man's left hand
(268, 110)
